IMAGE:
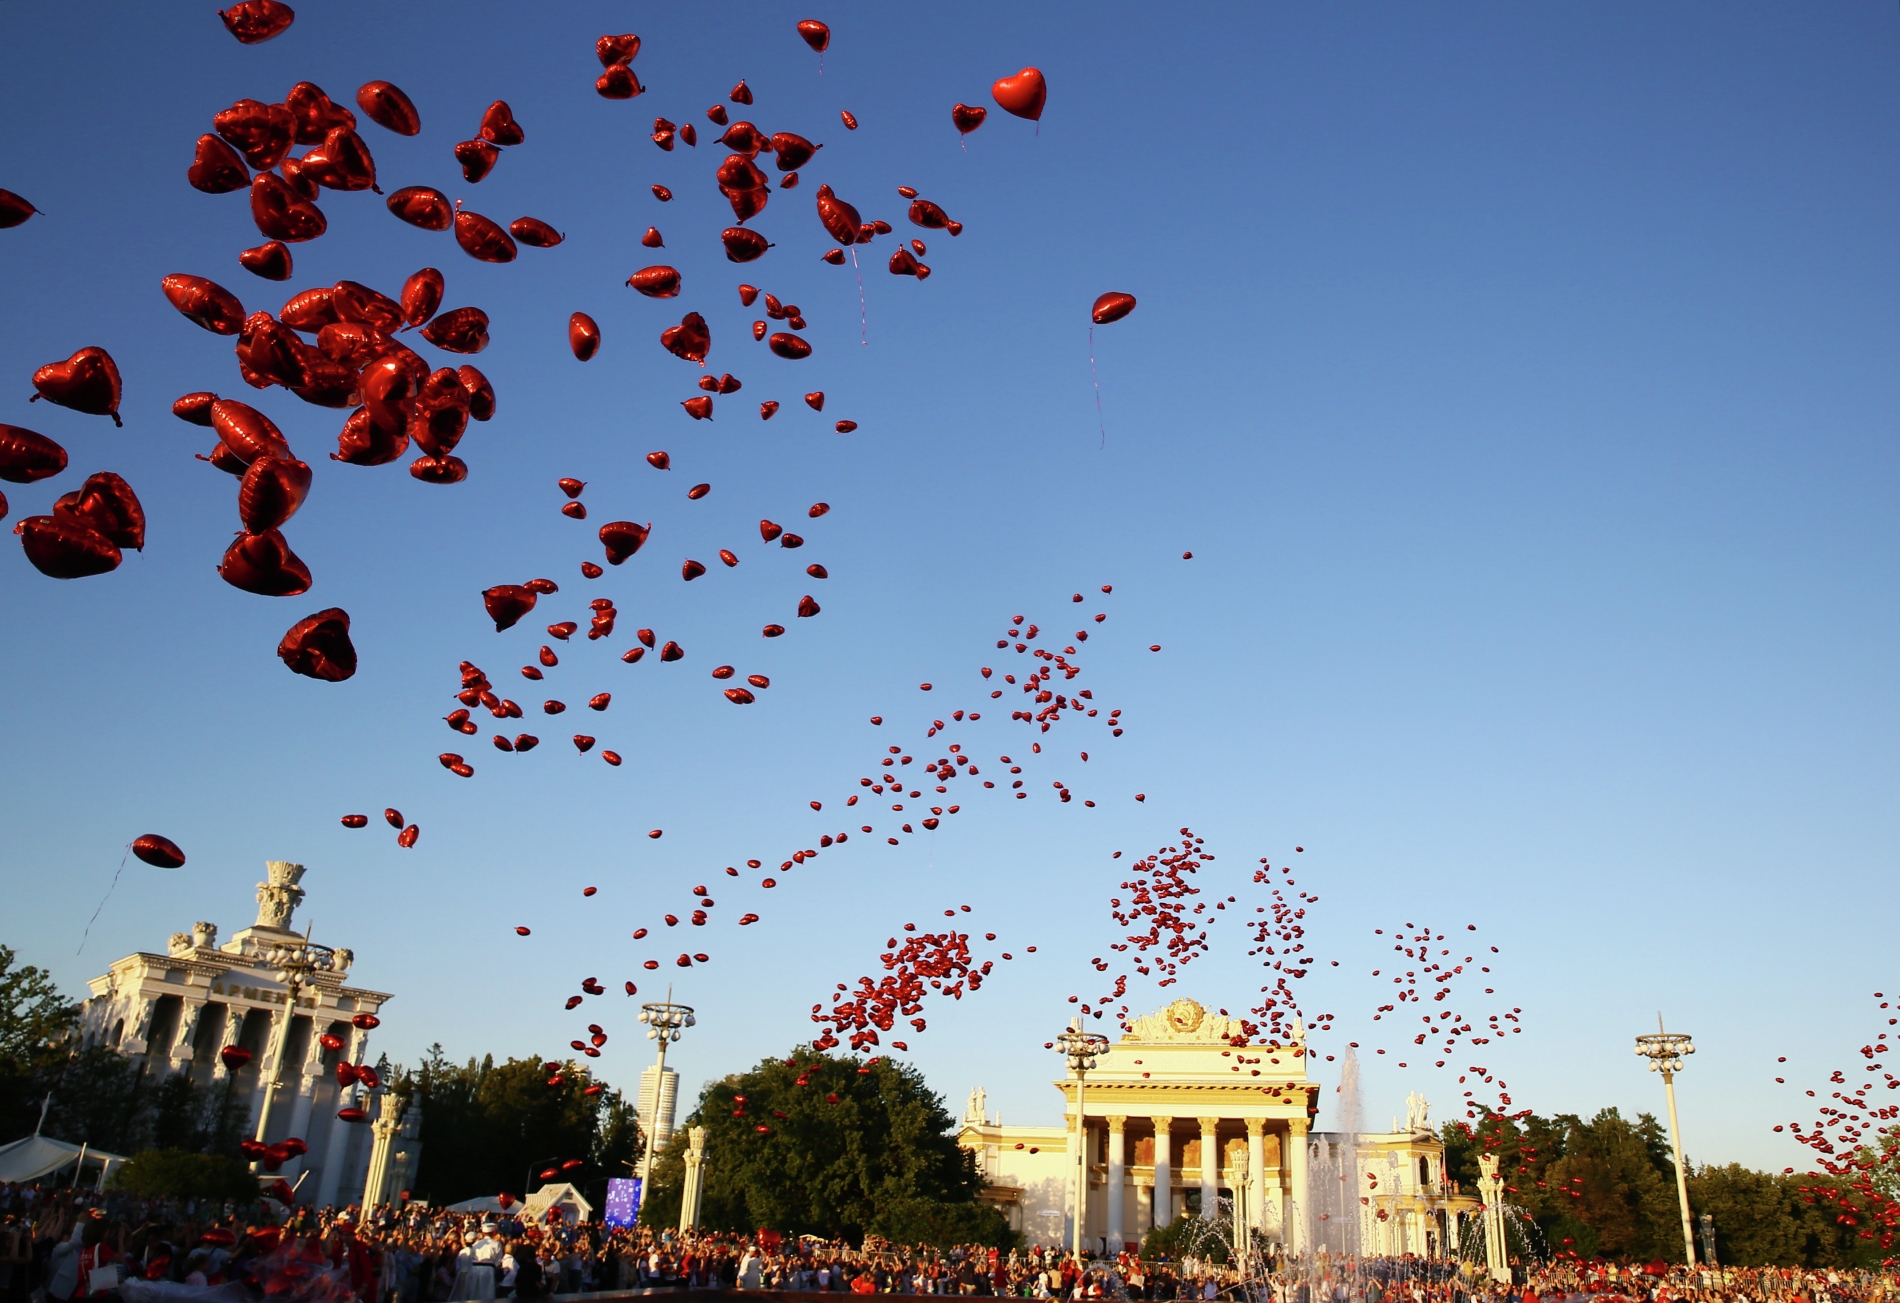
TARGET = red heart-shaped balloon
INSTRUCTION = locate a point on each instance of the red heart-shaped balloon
(319, 647)
(217, 169)
(1023, 94)
(622, 538)
(272, 490)
(421, 296)
(478, 158)
(265, 565)
(247, 432)
(439, 470)
(159, 852)
(88, 381)
(483, 238)
(691, 339)
(499, 125)
(270, 260)
(269, 353)
(316, 113)
(341, 162)
(481, 394)
(261, 132)
(839, 218)
(66, 549)
(256, 21)
(419, 205)
(281, 213)
(459, 330)
(441, 414)
(26, 456)
(355, 301)
(205, 302)
(106, 503)
(389, 107)
(361, 442)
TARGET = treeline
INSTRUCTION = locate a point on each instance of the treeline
(1606, 1187)
(97, 1096)
(814, 1144)
(490, 1128)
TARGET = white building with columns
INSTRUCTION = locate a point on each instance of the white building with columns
(1182, 1112)
(175, 1012)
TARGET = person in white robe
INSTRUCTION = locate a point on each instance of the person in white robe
(475, 1267)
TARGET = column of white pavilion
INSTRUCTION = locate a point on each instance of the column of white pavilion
(1210, 1168)
(1117, 1169)
(309, 1078)
(331, 1177)
(1298, 1212)
(193, 1009)
(1256, 1171)
(1164, 1176)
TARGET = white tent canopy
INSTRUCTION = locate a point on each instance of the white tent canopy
(35, 1156)
(488, 1203)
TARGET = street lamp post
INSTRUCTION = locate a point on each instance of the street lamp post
(295, 962)
(1665, 1051)
(1080, 1049)
(664, 1019)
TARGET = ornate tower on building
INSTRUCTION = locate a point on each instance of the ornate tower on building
(178, 1011)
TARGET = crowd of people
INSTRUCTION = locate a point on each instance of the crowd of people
(65, 1245)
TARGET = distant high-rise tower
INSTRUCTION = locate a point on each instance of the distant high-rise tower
(657, 1122)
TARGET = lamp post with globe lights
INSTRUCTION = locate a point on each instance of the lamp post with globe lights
(1080, 1048)
(295, 962)
(664, 1020)
(1665, 1051)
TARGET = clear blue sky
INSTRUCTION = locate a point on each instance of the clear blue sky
(1521, 379)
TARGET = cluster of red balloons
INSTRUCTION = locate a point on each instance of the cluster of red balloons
(342, 347)
(1431, 982)
(1172, 932)
(921, 964)
(1853, 1140)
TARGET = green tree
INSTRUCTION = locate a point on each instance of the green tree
(820, 1145)
(175, 1174)
(487, 1128)
(34, 1020)
(1605, 1186)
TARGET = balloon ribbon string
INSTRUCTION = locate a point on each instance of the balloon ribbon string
(864, 321)
(1096, 377)
(103, 899)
